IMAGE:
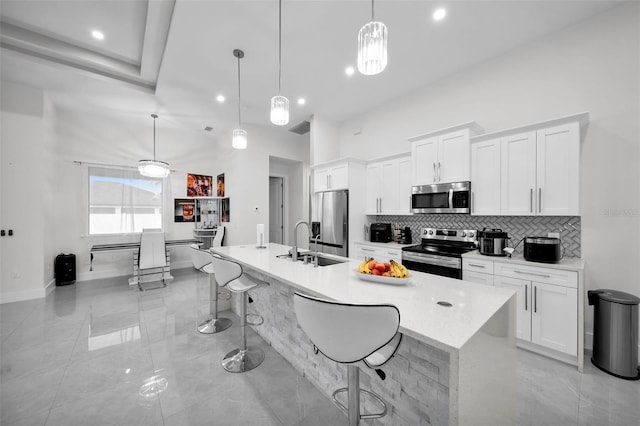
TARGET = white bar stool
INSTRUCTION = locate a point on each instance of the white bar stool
(349, 333)
(229, 274)
(210, 324)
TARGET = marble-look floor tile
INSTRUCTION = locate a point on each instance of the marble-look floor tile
(24, 399)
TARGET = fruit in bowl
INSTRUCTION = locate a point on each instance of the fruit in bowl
(392, 268)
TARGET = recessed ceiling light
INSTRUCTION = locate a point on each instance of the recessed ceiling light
(97, 35)
(439, 14)
(220, 98)
(349, 71)
(302, 101)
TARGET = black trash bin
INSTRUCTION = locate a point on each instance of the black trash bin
(65, 269)
(615, 332)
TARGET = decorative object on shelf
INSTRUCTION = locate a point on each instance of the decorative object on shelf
(199, 185)
(224, 210)
(279, 103)
(184, 210)
(239, 140)
(372, 47)
(154, 168)
(220, 186)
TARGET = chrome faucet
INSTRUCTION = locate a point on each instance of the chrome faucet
(315, 246)
(294, 249)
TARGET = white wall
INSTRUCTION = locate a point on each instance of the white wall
(27, 256)
(593, 66)
(324, 139)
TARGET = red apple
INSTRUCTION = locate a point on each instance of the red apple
(375, 271)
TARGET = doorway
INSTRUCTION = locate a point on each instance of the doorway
(276, 209)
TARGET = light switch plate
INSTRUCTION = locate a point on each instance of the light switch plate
(553, 235)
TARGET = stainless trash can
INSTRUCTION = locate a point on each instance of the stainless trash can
(615, 332)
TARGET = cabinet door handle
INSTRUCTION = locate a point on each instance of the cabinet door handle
(380, 204)
(473, 210)
(477, 265)
(539, 200)
(327, 181)
(366, 249)
(532, 273)
(438, 171)
(526, 297)
(535, 298)
(434, 172)
(530, 200)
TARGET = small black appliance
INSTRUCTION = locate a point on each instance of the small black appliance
(405, 236)
(542, 249)
(381, 232)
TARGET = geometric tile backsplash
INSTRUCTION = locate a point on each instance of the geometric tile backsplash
(517, 227)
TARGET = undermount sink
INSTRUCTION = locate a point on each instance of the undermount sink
(322, 260)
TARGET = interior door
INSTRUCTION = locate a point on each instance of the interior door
(276, 209)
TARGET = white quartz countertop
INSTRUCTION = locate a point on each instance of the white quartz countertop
(447, 328)
(567, 263)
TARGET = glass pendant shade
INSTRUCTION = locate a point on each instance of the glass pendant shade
(239, 140)
(153, 168)
(279, 110)
(372, 48)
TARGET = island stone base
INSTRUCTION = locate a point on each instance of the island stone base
(416, 388)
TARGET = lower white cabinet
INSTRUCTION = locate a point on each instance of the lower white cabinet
(547, 312)
(477, 277)
(546, 300)
(381, 254)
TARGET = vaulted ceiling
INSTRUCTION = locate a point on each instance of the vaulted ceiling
(175, 57)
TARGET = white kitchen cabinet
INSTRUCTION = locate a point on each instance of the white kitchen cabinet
(518, 174)
(485, 178)
(386, 192)
(381, 254)
(547, 313)
(558, 170)
(442, 156)
(477, 277)
(404, 185)
(539, 169)
(331, 177)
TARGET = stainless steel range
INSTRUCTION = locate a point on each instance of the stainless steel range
(440, 252)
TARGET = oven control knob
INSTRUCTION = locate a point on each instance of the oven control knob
(464, 234)
(471, 234)
(430, 232)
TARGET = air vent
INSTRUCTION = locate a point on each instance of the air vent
(208, 129)
(302, 128)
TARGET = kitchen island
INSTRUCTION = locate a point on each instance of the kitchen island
(456, 364)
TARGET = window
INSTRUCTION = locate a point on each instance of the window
(123, 201)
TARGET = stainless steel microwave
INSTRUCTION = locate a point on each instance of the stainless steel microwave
(452, 197)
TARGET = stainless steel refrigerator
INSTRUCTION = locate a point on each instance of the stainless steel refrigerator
(330, 219)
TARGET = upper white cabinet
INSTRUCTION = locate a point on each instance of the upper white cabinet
(442, 156)
(485, 177)
(388, 186)
(532, 170)
(331, 177)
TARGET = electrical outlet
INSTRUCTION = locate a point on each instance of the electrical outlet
(553, 235)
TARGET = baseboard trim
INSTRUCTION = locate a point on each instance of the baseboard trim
(21, 296)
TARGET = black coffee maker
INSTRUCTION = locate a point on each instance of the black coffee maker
(405, 236)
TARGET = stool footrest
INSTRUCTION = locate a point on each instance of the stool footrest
(253, 319)
(365, 415)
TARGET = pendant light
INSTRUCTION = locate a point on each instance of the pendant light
(372, 47)
(279, 103)
(154, 168)
(239, 140)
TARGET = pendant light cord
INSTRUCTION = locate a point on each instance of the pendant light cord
(372, 11)
(238, 91)
(279, 46)
(154, 135)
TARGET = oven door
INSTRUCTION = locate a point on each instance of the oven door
(433, 264)
(441, 198)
